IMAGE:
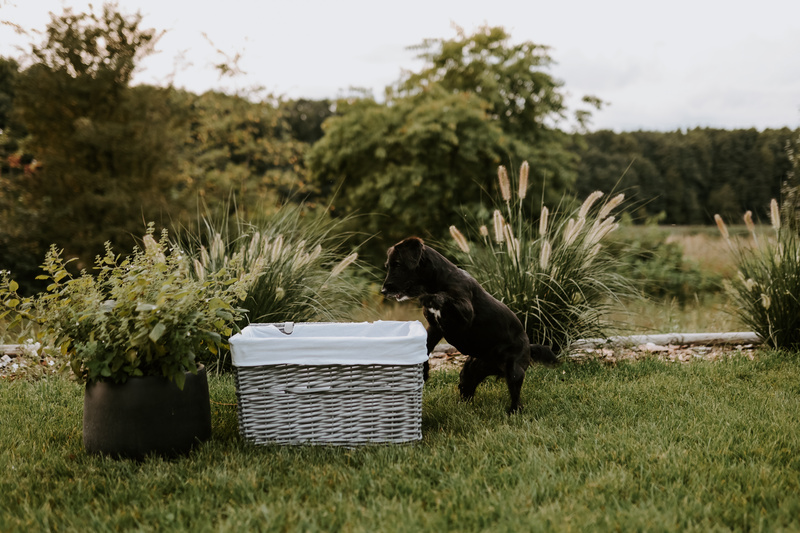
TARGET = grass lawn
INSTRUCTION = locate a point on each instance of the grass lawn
(642, 446)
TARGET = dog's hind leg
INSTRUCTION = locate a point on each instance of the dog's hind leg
(474, 372)
(515, 375)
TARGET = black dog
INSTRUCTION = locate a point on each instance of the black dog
(460, 310)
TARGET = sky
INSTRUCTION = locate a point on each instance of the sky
(658, 65)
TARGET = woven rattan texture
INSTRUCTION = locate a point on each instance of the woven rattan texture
(330, 404)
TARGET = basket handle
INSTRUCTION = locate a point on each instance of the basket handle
(284, 327)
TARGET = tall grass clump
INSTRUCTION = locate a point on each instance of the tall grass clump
(555, 272)
(766, 290)
(299, 260)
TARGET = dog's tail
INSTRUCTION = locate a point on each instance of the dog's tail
(544, 354)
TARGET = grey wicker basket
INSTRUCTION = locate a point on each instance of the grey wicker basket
(352, 384)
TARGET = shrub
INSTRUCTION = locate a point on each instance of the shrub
(766, 289)
(554, 273)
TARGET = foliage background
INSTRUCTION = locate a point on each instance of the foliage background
(87, 158)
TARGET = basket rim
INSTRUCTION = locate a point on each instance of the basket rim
(326, 343)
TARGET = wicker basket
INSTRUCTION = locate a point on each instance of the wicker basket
(342, 384)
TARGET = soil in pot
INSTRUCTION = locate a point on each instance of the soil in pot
(146, 415)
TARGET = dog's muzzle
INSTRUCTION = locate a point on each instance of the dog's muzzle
(395, 295)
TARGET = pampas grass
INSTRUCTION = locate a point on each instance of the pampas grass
(765, 293)
(301, 265)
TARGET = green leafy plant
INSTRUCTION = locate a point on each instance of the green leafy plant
(766, 289)
(146, 314)
(553, 273)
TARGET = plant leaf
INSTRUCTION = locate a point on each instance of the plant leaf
(157, 331)
(180, 379)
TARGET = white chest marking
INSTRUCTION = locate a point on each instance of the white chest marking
(435, 312)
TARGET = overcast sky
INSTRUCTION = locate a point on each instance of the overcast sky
(660, 65)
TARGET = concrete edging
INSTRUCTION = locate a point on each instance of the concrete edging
(679, 339)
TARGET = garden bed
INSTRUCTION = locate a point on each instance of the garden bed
(17, 361)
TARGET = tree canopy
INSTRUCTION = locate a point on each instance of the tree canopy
(107, 151)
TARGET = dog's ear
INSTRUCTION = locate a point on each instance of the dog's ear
(410, 251)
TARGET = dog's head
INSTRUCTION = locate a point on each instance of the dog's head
(405, 277)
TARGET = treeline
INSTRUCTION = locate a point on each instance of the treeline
(685, 177)
(86, 158)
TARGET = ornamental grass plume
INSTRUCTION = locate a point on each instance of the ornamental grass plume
(599, 230)
(512, 242)
(544, 257)
(543, 221)
(523, 180)
(723, 229)
(343, 264)
(573, 229)
(505, 185)
(610, 206)
(751, 227)
(461, 241)
(499, 224)
(765, 293)
(775, 214)
(748, 221)
(588, 203)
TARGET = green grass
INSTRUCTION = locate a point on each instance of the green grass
(643, 446)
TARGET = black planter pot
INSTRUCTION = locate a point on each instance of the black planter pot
(146, 415)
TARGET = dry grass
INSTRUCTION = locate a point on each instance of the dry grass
(667, 316)
(705, 246)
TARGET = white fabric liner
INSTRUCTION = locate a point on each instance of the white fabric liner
(351, 343)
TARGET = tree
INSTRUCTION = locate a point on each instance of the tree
(242, 148)
(414, 163)
(434, 146)
(16, 167)
(305, 118)
(108, 150)
(688, 176)
(520, 96)
(9, 70)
